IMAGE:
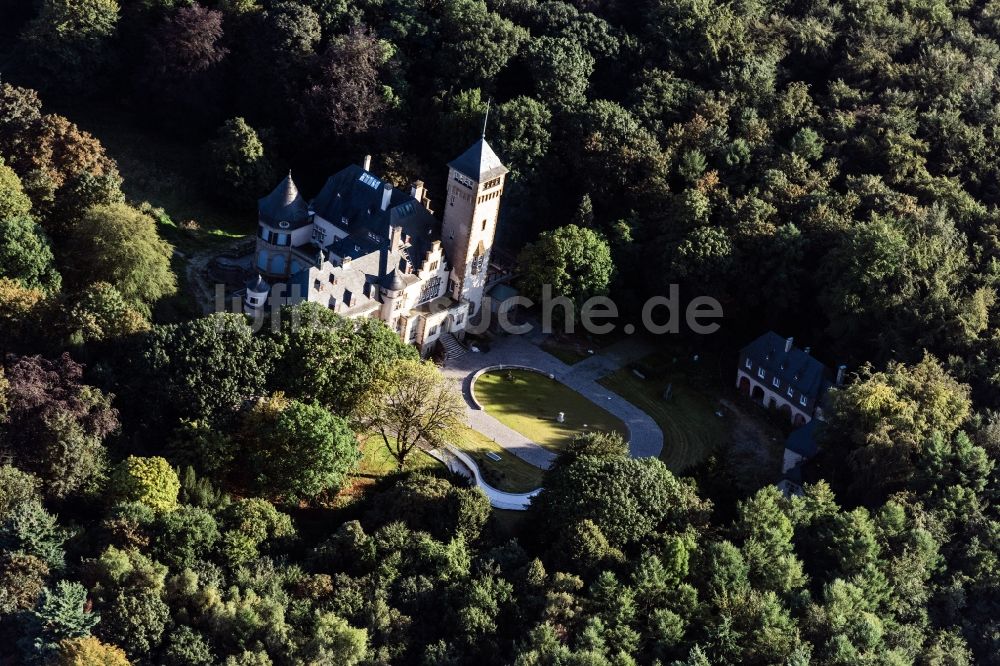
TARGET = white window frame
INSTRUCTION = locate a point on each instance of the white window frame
(776, 383)
(760, 372)
(748, 364)
(803, 400)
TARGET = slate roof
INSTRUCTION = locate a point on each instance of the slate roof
(352, 200)
(284, 204)
(257, 284)
(393, 281)
(794, 367)
(479, 162)
(803, 440)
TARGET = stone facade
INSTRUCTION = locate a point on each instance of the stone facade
(363, 248)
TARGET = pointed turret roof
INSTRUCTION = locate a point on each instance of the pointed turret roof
(284, 204)
(479, 162)
(258, 284)
(393, 281)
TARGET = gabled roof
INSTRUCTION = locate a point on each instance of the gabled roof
(284, 204)
(479, 162)
(794, 367)
(352, 200)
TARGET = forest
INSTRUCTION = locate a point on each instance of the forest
(181, 490)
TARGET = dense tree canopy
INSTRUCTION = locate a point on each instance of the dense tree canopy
(826, 170)
(120, 245)
(571, 261)
(298, 450)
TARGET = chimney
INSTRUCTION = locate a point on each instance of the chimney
(788, 344)
(395, 238)
(367, 164)
(417, 190)
(841, 370)
(386, 196)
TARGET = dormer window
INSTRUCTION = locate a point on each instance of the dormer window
(803, 400)
(760, 372)
(775, 382)
(790, 391)
(748, 364)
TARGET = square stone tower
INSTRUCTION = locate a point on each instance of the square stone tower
(475, 185)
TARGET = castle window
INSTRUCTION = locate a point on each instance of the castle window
(803, 400)
(433, 331)
(464, 180)
(434, 266)
(748, 364)
(317, 285)
(348, 297)
(790, 391)
(775, 382)
(760, 372)
(485, 222)
(430, 290)
(413, 333)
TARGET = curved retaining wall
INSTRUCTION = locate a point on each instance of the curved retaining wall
(498, 498)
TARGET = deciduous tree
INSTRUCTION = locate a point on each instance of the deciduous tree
(411, 405)
(150, 481)
(118, 244)
(572, 261)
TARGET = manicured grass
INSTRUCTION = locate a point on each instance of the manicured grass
(510, 473)
(567, 354)
(376, 461)
(691, 430)
(529, 403)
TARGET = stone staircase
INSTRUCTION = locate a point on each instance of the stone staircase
(453, 349)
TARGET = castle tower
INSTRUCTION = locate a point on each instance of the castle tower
(475, 185)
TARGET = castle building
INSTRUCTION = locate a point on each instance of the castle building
(363, 248)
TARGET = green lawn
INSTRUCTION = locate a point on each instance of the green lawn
(565, 353)
(691, 430)
(376, 460)
(529, 403)
(510, 473)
